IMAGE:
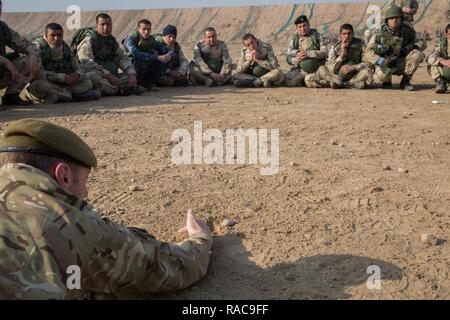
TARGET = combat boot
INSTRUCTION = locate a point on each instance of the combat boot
(357, 85)
(405, 84)
(128, 91)
(387, 85)
(87, 96)
(244, 83)
(257, 83)
(14, 100)
(440, 86)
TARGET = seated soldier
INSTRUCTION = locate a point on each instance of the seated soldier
(178, 67)
(212, 63)
(306, 53)
(100, 57)
(395, 50)
(16, 70)
(150, 57)
(49, 233)
(344, 67)
(439, 62)
(61, 77)
(258, 66)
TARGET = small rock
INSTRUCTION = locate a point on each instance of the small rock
(390, 142)
(341, 145)
(133, 180)
(120, 210)
(403, 170)
(429, 238)
(227, 223)
(377, 189)
(133, 188)
(333, 142)
(387, 168)
(293, 164)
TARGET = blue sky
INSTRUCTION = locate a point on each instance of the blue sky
(61, 5)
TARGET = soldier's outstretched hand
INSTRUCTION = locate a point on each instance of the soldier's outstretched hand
(194, 225)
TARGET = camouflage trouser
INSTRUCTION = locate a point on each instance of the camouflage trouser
(295, 77)
(100, 81)
(437, 72)
(44, 90)
(405, 66)
(324, 76)
(274, 76)
(16, 87)
(197, 76)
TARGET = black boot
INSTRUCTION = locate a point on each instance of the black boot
(440, 86)
(128, 91)
(15, 100)
(405, 83)
(87, 96)
(244, 83)
(387, 85)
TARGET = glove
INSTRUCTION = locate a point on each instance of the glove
(382, 50)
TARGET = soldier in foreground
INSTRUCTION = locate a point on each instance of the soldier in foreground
(439, 62)
(258, 66)
(46, 229)
(212, 63)
(150, 57)
(395, 50)
(306, 53)
(16, 71)
(178, 67)
(344, 67)
(409, 8)
(61, 77)
(101, 58)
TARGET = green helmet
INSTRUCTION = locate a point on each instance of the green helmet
(259, 71)
(393, 12)
(309, 65)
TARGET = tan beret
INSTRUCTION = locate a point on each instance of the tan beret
(45, 138)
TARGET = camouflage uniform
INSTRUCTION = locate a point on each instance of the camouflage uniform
(57, 62)
(316, 48)
(179, 63)
(10, 38)
(331, 71)
(413, 4)
(402, 52)
(267, 62)
(44, 229)
(441, 51)
(100, 56)
(210, 59)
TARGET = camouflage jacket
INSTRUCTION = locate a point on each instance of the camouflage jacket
(267, 58)
(112, 58)
(45, 231)
(13, 40)
(313, 44)
(354, 56)
(393, 41)
(56, 62)
(413, 4)
(205, 55)
(181, 64)
(441, 51)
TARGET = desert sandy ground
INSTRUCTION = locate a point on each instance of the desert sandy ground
(308, 232)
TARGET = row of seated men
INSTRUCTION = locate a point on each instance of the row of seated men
(95, 65)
